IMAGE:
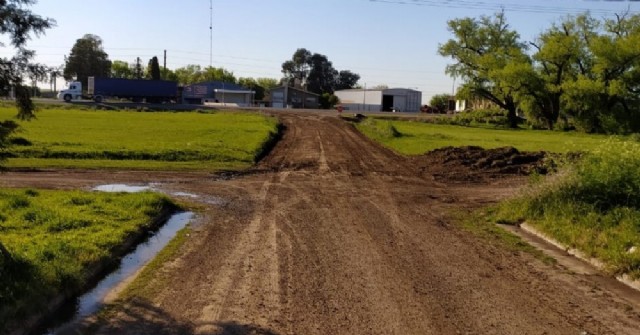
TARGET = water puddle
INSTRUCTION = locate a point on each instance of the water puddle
(92, 301)
(185, 195)
(121, 188)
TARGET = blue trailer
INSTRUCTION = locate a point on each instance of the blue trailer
(136, 90)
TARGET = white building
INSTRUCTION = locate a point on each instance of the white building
(381, 100)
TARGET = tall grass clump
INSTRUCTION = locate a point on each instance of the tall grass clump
(379, 129)
(52, 241)
(593, 206)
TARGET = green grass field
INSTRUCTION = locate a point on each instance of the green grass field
(416, 138)
(50, 239)
(140, 140)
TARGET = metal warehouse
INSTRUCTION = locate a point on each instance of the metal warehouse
(381, 100)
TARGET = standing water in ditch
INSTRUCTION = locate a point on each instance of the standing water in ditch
(90, 302)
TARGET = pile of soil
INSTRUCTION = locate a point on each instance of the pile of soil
(475, 164)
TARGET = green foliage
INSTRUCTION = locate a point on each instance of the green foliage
(478, 118)
(192, 74)
(49, 240)
(379, 130)
(316, 73)
(162, 140)
(440, 102)
(582, 69)
(593, 206)
(420, 137)
(153, 69)
(121, 69)
(87, 58)
(482, 50)
(328, 100)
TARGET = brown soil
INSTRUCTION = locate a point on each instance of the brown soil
(475, 164)
(333, 234)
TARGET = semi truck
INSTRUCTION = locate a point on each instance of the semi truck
(136, 90)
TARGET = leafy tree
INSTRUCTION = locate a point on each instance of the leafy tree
(440, 102)
(346, 80)
(136, 69)
(267, 83)
(18, 23)
(87, 59)
(153, 69)
(121, 69)
(315, 73)
(481, 49)
(192, 74)
(604, 95)
(253, 85)
(322, 76)
(297, 69)
(211, 73)
(167, 74)
(328, 100)
(54, 73)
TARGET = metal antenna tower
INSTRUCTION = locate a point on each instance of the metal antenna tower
(210, 33)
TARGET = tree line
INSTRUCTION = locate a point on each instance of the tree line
(313, 72)
(581, 70)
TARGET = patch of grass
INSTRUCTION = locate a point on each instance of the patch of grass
(61, 137)
(593, 207)
(420, 137)
(149, 280)
(51, 240)
(480, 223)
(379, 130)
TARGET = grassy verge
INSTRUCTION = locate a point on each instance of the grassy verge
(415, 138)
(478, 224)
(53, 240)
(137, 140)
(593, 207)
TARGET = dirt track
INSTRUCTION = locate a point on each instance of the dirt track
(333, 234)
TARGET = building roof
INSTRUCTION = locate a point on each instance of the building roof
(376, 89)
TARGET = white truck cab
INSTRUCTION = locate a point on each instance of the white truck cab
(74, 92)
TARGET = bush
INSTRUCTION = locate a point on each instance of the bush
(483, 117)
(593, 206)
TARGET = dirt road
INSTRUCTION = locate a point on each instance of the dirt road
(332, 234)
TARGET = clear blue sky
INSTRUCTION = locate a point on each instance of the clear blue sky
(390, 42)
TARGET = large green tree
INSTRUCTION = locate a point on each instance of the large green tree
(87, 58)
(481, 50)
(192, 73)
(153, 69)
(604, 97)
(316, 73)
(121, 69)
(18, 24)
(346, 80)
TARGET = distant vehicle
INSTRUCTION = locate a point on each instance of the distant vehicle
(136, 90)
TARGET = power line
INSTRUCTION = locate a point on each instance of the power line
(483, 5)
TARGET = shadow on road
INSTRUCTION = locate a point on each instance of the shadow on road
(141, 317)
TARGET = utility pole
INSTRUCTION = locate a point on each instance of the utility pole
(364, 97)
(165, 60)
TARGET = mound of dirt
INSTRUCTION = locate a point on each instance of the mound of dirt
(472, 163)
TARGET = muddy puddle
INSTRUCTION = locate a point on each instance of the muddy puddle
(121, 188)
(90, 302)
